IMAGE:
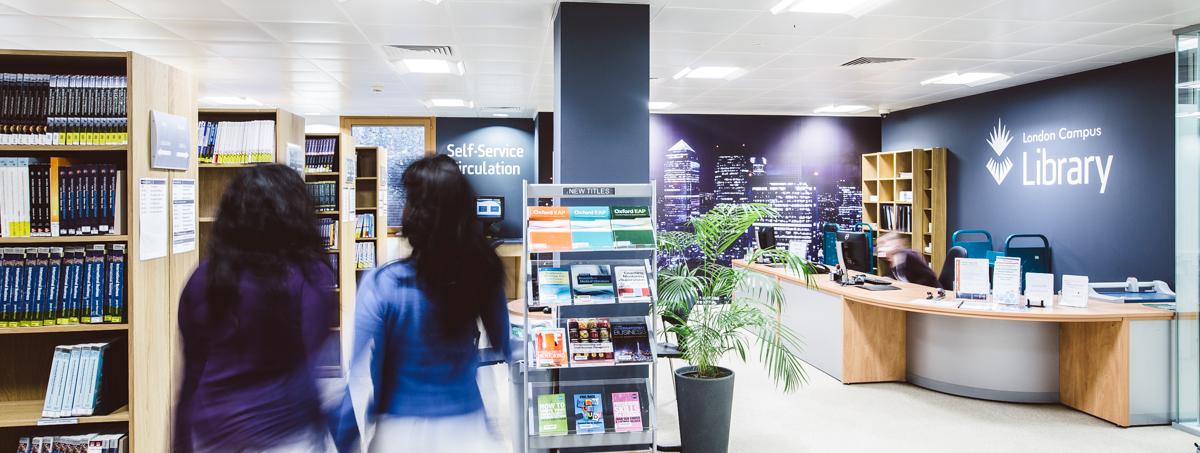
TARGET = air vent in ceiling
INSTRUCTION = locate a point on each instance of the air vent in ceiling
(396, 52)
(872, 60)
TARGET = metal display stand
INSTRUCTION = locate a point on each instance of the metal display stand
(533, 381)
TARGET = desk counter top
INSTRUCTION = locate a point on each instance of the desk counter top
(911, 297)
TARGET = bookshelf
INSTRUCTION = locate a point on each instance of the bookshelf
(325, 161)
(369, 187)
(152, 286)
(214, 177)
(905, 192)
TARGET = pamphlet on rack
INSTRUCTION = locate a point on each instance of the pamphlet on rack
(1006, 280)
(971, 278)
(1039, 289)
(1074, 291)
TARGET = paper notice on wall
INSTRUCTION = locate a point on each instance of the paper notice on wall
(349, 188)
(1006, 280)
(152, 218)
(183, 215)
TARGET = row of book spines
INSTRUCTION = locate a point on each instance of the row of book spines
(320, 154)
(236, 142)
(76, 384)
(71, 132)
(49, 286)
(364, 226)
(324, 194)
(364, 254)
(329, 230)
(82, 443)
(30, 98)
(56, 199)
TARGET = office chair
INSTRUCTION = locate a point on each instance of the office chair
(946, 277)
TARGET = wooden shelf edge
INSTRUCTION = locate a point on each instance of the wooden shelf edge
(63, 329)
(63, 239)
(27, 413)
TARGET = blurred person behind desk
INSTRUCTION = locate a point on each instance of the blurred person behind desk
(907, 265)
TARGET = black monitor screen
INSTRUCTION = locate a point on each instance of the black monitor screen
(489, 208)
(856, 251)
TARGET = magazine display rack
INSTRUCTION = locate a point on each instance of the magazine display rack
(589, 374)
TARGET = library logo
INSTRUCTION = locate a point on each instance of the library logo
(999, 140)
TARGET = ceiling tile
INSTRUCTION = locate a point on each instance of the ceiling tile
(213, 30)
(756, 43)
(71, 8)
(794, 61)
(1183, 19)
(885, 27)
(248, 49)
(1068, 52)
(1034, 9)
(409, 35)
(995, 51)
(1012, 67)
(313, 32)
(116, 28)
(751, 5)
(35, 26)
(1131, 54)
(392, 12)
(160, 47)
(739, 59)
(919, 49)
(707, 20)
(500, 53)
(1055, 33)
(972, 30)
(841, 46)
(342, 51)
(500, 36)
(796, 24)
(62, 43)
(673, 59)
(5, 9)
(696, 42)
(500, 67)
(1129, 11)
(522, 15)
(183, 10)
(1132, 35)
(931, 8)
(306, 11)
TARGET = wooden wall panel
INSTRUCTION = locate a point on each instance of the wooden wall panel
(1093, 368)
(873, 343)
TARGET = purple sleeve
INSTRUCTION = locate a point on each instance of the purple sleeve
(194, 356)
(318, 305)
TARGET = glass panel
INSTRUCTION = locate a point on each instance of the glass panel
(404, 144)
(1187, 230)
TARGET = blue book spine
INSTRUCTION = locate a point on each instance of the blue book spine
(38, 306)
(97, 299)
(25, 290)
(5, 287)
(53, 283)
(116, 285)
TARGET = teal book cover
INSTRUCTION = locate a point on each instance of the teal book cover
(591, 228)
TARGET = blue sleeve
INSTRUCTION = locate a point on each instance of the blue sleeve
(365, 374)
(495, 321)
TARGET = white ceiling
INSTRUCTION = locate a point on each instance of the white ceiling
(322, 57)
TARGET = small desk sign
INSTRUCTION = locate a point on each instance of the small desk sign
(1074, 291)
(1039, 289)
(170, 141)
(1006, 280)
(971, 278)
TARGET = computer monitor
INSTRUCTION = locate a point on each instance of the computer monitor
(856, 251)
(489, 208)
(766, 237)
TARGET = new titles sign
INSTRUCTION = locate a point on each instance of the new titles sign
(1047, 164)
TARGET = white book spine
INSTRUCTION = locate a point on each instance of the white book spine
(62, 356)
(69, 386)
(87, 372)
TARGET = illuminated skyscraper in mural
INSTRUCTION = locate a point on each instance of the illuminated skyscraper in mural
(849, 199)
(681, 187)
(796, 202)
(732, 178)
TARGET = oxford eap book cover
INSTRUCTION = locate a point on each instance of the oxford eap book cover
(631, 226)
(549, 228)
(591, 228)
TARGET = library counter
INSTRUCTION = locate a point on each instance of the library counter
(1109, 360)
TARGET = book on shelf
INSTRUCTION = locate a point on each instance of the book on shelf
(633, 284)
(589, 413)
(52, 197)
(236, 142)
(364, 254)
(552, 414)
(627, 412)
(45, 286)
(79, 443)
(320, 154)
(364, 226)
(45, 109)
(324, 195)
(553, 286)
(329, 232)
(589, 341)
(631, 342)
(592, 284)
(549, 229)
(632, 226)
(86, 379)
(591, 227)
(550, 347)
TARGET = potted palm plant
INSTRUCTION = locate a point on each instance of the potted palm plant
(716, 310)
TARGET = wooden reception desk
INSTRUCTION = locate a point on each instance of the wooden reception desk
(1110, 360)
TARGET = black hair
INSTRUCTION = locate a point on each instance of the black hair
(456, 266)
(265, 228)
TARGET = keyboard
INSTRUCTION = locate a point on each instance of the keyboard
(876, 280)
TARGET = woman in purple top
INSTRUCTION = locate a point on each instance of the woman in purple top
(252, 317)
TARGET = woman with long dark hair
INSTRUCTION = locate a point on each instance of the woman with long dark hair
(252, 318)
(416, 336)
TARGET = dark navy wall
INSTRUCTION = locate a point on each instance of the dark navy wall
(1123, 111)
(496, 154)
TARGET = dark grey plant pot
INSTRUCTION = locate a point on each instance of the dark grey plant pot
(705, 407)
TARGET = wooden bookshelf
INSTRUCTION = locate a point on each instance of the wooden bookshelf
(909, 179)
(289, 129)
(152, 286)
(369, 191)
(344, 253)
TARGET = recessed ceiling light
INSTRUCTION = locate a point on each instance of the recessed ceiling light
(500, 115)
(660, 105)
(450, 102)
(229, 100)
(431, 66)
(973, 79)
(436, 2)
(848, 7)
(843, 109)
(710, 72)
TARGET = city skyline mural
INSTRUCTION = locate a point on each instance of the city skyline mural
(807, 168)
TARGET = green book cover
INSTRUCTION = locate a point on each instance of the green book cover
(632, 227)
(552, 414)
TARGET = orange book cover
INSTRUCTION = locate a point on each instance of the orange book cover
(549, 228)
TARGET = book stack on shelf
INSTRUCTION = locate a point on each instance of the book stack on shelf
(329, 230)
(364, 226)
(80, 443)
(48, 286)
(57, 109)
(237, 142)
(51, 197)
(580, 389)
(320, 154)
(324, 194)
(896, 218)
(364, 254)
(77, 386)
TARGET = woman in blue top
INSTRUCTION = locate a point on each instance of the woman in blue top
(415, 353)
